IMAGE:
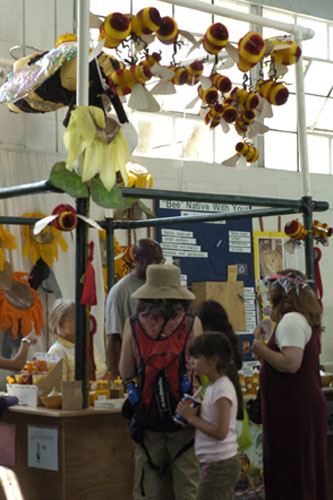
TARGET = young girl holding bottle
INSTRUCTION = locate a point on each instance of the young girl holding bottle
(215, 436)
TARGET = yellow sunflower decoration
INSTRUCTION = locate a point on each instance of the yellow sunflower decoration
(8, 241)
(20, 307)
(120, 265)
(43, 245)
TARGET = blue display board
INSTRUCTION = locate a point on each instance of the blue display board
(204, 250)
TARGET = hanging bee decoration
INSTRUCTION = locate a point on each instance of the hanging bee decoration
(215, 38)
(251, 48)
(245, 153)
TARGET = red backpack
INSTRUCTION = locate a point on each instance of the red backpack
(161, 369)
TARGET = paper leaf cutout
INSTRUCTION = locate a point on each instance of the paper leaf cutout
(104, 198)
(67, 181)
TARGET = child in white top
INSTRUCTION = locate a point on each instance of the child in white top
(62, 327)
(215, 437)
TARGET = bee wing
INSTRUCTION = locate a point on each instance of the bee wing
(232, 161)
(226, 63)
(42, 223)
(89, 221)
(195, 45)
(192, 103)
(94, 21)
(260, 128)
(205, 82)
(97, 50)
(242, 162)
(32, 77)
(162, 71)
(187, 35)
(264, 108)
(225, 126)
(142, 100)
(278, 70)
(232, 52)
(163, 87)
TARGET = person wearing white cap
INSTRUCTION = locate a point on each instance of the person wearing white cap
(155, 349)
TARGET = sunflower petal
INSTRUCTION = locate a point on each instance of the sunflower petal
(92, 160)
(108, 166)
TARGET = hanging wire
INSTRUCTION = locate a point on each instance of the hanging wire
(245, 80)
(272, 73)
(176, 46)
(131, 58)
(216, 60)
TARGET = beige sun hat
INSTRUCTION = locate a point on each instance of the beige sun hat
(163, 282)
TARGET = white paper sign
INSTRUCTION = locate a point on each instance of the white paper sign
(43, 447)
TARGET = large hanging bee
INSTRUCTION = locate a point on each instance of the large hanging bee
(46, 81)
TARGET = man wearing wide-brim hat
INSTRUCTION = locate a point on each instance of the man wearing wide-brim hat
(120, 304)
(162, 315)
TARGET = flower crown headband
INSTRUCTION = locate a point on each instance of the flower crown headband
(287, 282)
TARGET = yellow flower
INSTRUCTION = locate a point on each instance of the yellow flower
(120, 266)
(8, 241)
(106, 158)
(43, 245)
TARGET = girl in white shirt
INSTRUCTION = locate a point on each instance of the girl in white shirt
(215, 437)
(62, 327)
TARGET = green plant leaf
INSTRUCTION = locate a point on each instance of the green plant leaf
(68, 181)
(103, 197)
(146, 209)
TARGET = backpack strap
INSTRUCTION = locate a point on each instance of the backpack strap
(133, 323)
(190, 321)
(162, 468)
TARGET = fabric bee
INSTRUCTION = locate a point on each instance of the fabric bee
(146, 21)
(215, 38)
(275, 93)
(251, 48)
(115, 29)
(168, 32)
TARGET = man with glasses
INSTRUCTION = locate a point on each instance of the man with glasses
(120, 305)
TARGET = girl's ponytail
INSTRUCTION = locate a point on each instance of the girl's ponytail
(232, 373)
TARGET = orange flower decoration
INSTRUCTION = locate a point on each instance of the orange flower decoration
(20, 307)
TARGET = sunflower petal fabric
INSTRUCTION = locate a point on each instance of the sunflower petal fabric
(43, 246)
(99, 157)
(8, 241)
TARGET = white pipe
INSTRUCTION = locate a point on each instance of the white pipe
(306, 33)
(82, 85)
(301, 123)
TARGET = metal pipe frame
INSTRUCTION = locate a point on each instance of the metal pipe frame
(159, 194)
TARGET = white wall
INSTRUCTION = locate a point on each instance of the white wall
(38, 139)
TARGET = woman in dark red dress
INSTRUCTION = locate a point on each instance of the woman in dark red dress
(293, 405)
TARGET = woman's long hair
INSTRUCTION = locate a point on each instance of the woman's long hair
(298, 298)
(217, 344)
(165, 308)
(214, 317)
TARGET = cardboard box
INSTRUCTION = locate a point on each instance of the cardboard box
(228, 293)
(26, 394)
(29, 394)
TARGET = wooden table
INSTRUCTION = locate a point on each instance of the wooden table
(95, 455)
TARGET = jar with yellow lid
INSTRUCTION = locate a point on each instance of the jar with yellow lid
(102, 390)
